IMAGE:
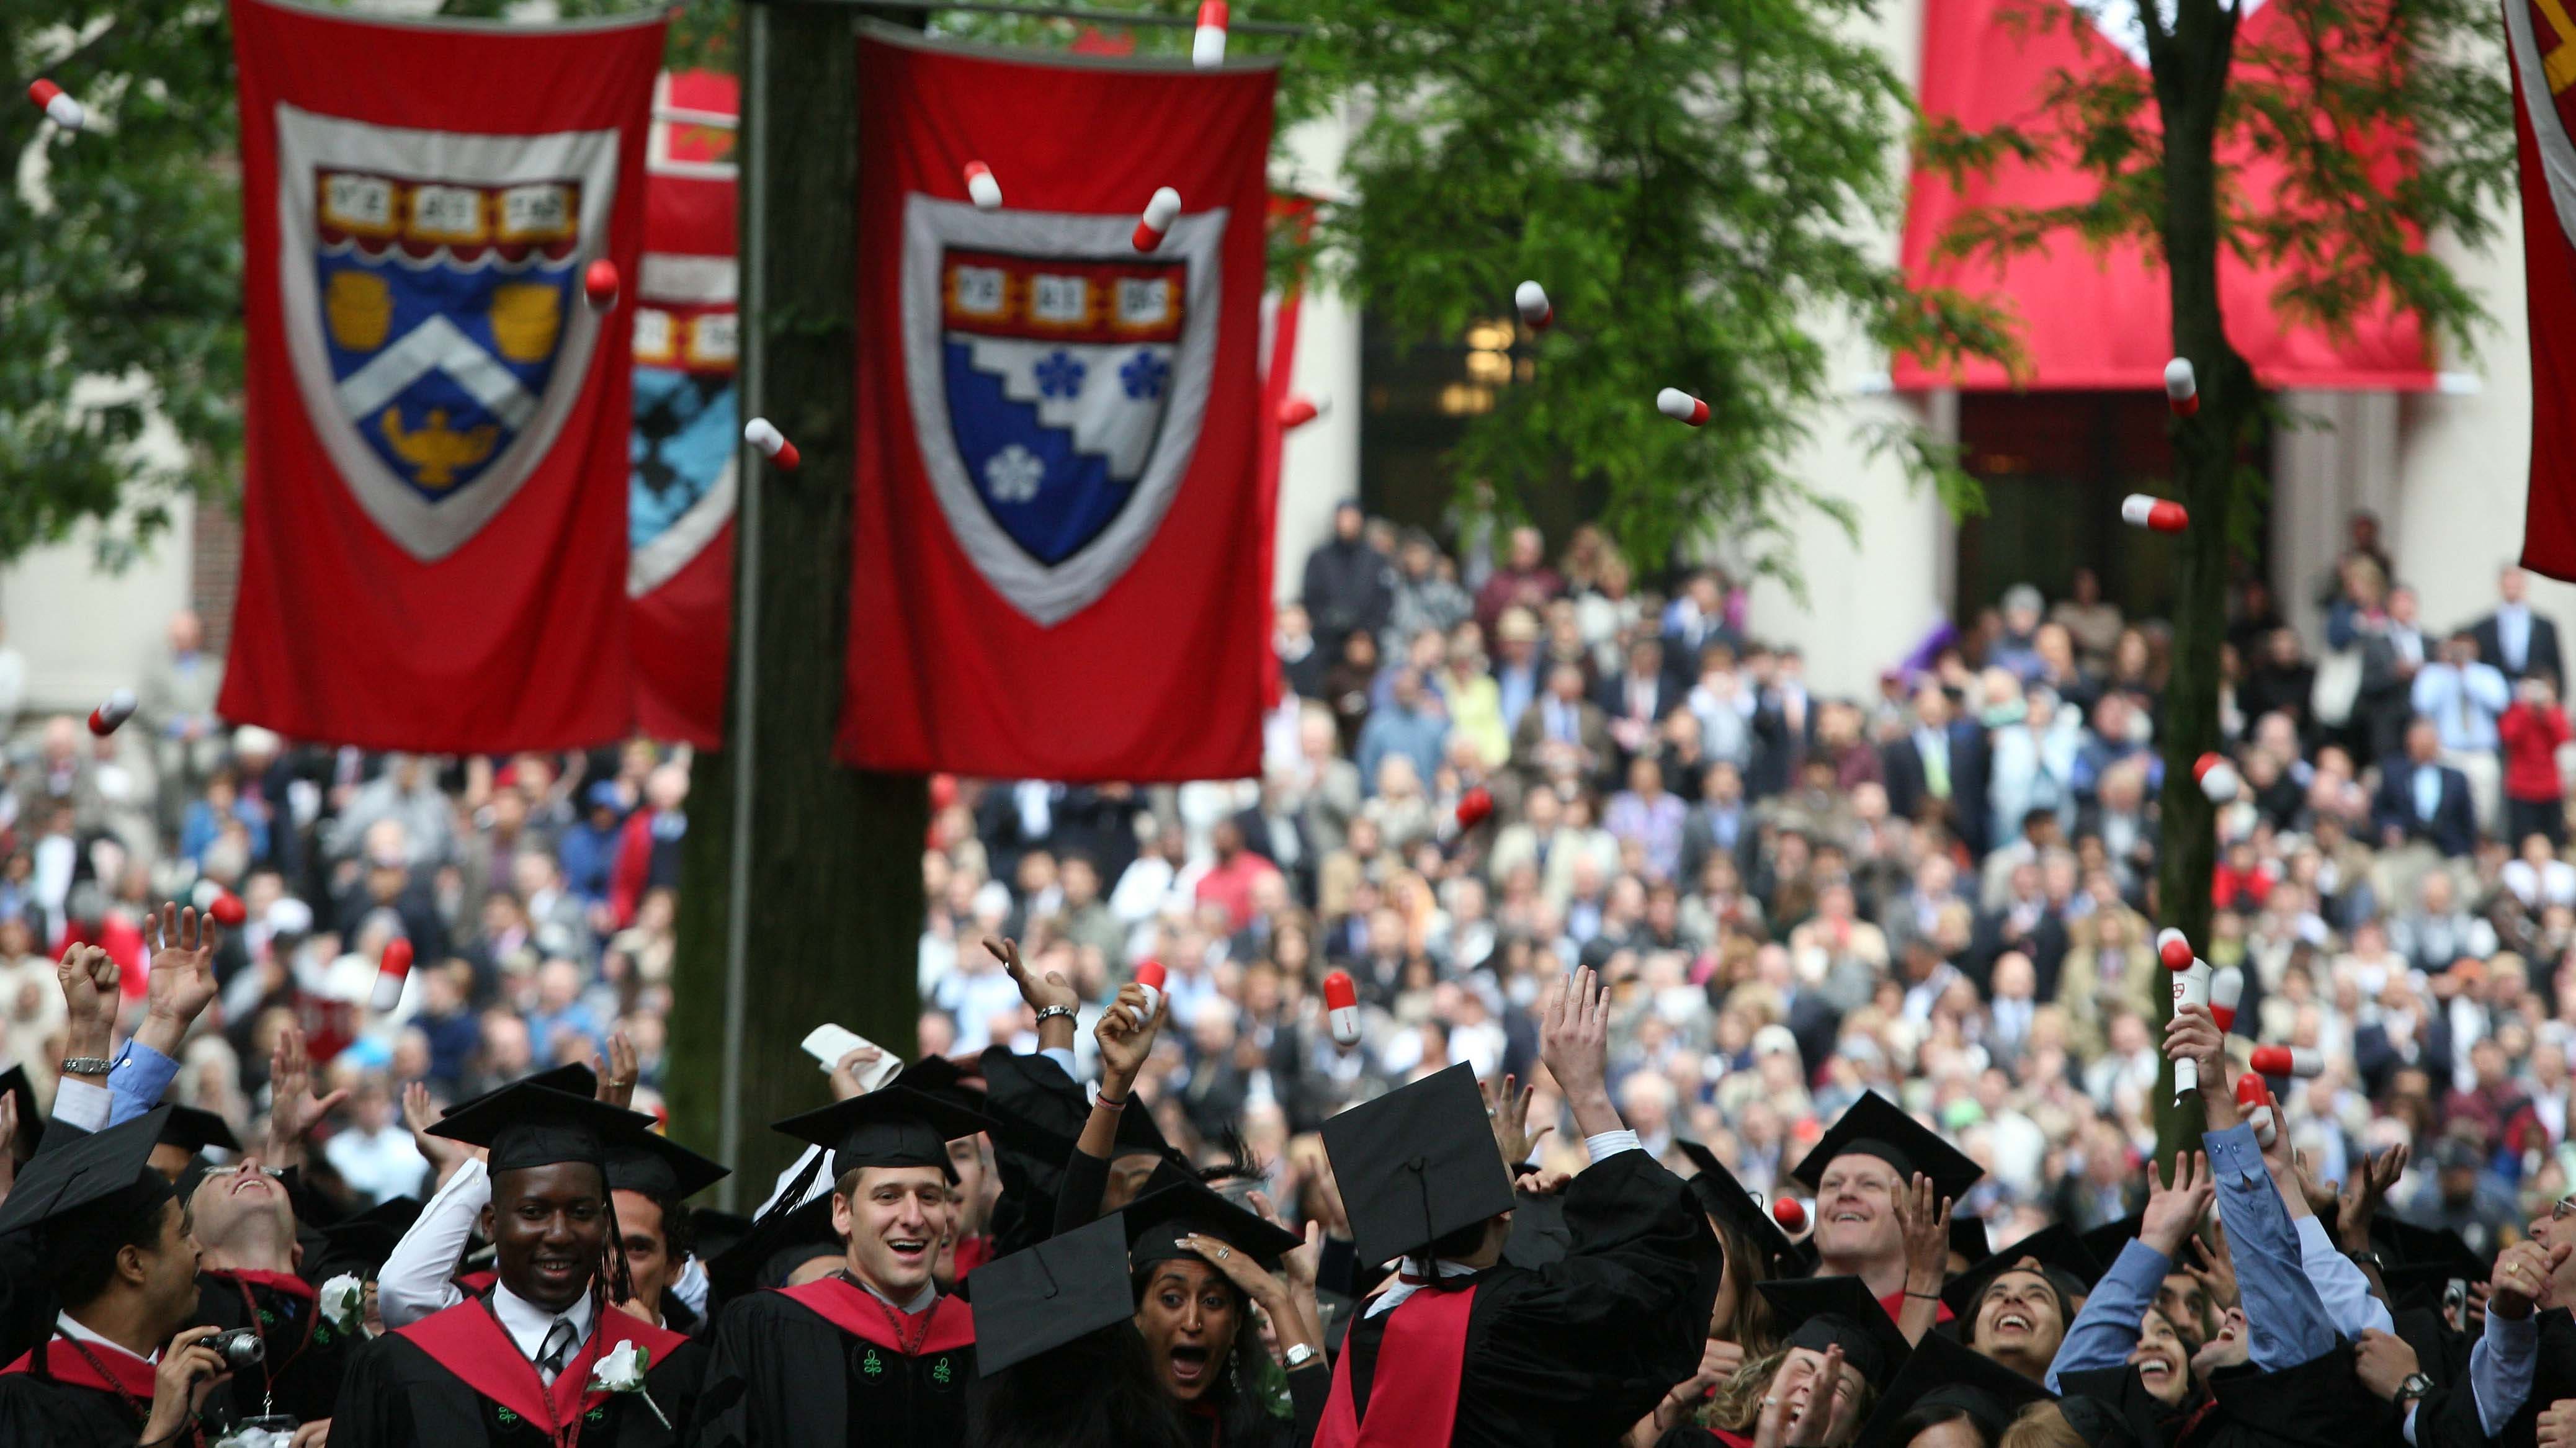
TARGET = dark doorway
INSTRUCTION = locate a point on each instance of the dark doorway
(1420, 395)
(2055, 466)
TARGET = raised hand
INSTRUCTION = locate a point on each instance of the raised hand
(1574, 1041)
(2193, 1036)
(1126, 1037)
(850, 1073)
(293, 1109)
(1923, 1221)
(2382, 1362)
(2213, 1266)
(2525, 1278)
(2363, 1194)
(1040, 991)
(617, 1083)
(88, 976)
(444, 1154)
(182, 979)
(1508, 1108)
(2172, 1211)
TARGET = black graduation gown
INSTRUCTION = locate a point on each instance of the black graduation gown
(2319, 1403)
(411, 1388)
(64, 1403)
(819, 1364)
(1575, 1352)
(307, 1356)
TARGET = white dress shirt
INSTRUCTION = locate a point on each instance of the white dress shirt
(528, 1324)
(70, 1328)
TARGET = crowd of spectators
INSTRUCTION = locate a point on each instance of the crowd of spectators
(1943, 891)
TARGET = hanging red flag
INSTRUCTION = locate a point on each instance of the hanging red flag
(2544, 47)
(1062, 523)
(434, 510)
(687, 433)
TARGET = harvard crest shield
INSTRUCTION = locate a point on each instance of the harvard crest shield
(1058, 379)
(433, 312)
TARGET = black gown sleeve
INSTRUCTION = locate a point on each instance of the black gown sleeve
(1594, 1340)
(371, 1412)
(2320, 1403)
(1077, 1201)
(27, 1302)
(1308, 1389)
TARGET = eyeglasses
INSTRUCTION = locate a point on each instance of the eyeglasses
(271, 1172)
(2559, 1209)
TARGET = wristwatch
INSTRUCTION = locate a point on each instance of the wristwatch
(1046, 1013)
(2412, 1389)
(2370, 1258)
(1298, 1355)
(87, 1065)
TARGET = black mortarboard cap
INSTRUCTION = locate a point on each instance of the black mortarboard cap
(776, 1245)
(573, 1080)
(1942, 1372)
(2408, 1245)
(527, 1125)
(897, 1124)
(1417, 1164)
(1819, 1312)
(361, 1243)
(1047, 1295)
(1166, 1212)
(938, 1076)
(1876, 1126)
(78, 1175)
(194, 1130)
(1968, 1238)
(1723, 1197)
(658, 1166)
(2061, 1257)
(2107, 1241)
(31, 1121)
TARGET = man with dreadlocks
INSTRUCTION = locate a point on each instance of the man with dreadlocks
(542, 1357)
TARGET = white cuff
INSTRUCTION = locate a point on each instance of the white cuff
(1062, 1056)
(1609, 1144)
(2406, 1429)
(82, 1104)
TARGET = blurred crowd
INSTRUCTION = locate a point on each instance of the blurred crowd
(1943, 891)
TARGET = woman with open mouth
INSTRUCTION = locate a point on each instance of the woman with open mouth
(1201, 1265)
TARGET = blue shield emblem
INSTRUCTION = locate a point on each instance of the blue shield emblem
(681, 490)
(1057, 381)
(434, 312)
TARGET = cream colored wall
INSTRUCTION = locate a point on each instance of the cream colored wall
(1869, 599)
(2466, 459)
(83, 631)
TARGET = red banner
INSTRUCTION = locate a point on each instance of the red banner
(2105, 320)
(687, 424)
(1063, 522)
(434, 512)
(2543, 119)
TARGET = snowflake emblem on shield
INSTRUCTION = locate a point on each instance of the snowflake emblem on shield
(1013, 474)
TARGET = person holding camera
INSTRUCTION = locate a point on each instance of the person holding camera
(114, 1238)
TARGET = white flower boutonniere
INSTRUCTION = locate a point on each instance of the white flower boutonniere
(344, 1303)
(621, 1370)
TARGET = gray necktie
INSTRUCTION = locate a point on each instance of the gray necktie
(559, 1345)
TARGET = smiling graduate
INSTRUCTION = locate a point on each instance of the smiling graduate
(541, 1358)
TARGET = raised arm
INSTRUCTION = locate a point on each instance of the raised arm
(2105, 1332)
(2258, 1199)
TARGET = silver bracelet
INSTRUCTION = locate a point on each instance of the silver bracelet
(1047, 1013)
(87, 1065)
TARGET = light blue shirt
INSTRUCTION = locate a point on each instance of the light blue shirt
(2428, 791)
(2463, 701)
(2285, 1320)
(137, 1080)
(2340, 1285)
(2105, 1332)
